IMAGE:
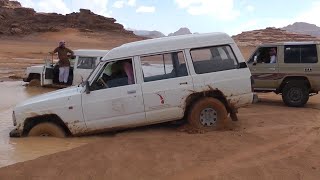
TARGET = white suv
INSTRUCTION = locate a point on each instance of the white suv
(201, 78)
(85, 60)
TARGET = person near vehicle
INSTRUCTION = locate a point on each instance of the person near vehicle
(127, 66)
(116, 69)
(64, 63)
(273, 55)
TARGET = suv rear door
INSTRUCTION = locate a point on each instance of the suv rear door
(301, 60)
(166, 85)
(47, 76)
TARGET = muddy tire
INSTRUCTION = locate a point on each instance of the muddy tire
(295, 94)
(35, 83)
(47, 129)
(208, 114)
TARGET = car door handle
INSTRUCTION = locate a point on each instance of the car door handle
(272, 69)
(184, 83)
(132, 92)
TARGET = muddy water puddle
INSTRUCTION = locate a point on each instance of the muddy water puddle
(13, 150)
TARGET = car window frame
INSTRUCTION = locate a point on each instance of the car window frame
(99, 73)
(214, 46)
(95, 58)
(162, 53)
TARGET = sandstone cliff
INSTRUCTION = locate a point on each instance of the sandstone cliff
(17, 20)
(270, 35)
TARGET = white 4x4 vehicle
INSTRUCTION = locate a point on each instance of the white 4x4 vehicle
(82, 65)
(202, 78)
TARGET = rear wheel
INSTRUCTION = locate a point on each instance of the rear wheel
(208, 114)
(295, 94)
(47, 129)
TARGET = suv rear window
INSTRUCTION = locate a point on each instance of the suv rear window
(86, 63)
(213, 59)
(300, 54)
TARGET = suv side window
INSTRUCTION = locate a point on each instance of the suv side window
(115, 74)
(264, 55)
(213, 59)
(309, 54)
(300, 54)
(163, 66)
(86, 62)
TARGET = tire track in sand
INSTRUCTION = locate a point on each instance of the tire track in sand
(252, 157)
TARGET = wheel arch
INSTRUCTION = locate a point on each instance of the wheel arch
(33, 76)
(52, 118)
(217, 94)
(287, 79)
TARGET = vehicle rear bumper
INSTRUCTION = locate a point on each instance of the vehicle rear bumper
(15, 133)
(243, 100)
(255, 98)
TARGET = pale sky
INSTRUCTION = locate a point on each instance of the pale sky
(230, 16)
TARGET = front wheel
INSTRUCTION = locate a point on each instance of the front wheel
(295, 94)
(35, 83)
(47, 129)
(208, 114)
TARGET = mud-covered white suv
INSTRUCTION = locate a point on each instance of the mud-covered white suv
(201, 78)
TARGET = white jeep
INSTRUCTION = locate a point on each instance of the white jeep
(201, 78)
(82, 64)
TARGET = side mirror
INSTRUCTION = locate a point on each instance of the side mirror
(87, 87)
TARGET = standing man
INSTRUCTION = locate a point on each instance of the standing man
(64, 63)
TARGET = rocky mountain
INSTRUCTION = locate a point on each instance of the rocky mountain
(269, 35)
(9, 4)
(181, 31)
(17, 20)
(303, 28)
(148, 34)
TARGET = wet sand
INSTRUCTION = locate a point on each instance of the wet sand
(270, 141)
(13, 150)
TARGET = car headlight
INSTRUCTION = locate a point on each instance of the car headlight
(14, 118)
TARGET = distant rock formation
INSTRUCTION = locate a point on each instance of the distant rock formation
(17, 20)
(10, 4)
(181, 31)
(158, 34)
(303, 28)
(270, 35)
(148, 34)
